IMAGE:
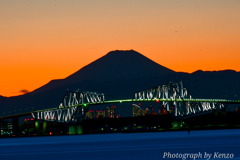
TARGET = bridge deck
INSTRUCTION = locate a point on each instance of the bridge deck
(129, 100)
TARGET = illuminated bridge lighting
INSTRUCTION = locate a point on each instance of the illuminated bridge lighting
(173, 97)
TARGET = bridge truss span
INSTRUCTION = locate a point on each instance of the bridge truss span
(176, 99)
(167, 91)
(72, 98)
(72, 108)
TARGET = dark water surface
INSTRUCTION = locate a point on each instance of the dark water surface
(125, 146)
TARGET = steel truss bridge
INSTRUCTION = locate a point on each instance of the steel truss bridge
(172, 96)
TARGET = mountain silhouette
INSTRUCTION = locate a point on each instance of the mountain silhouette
(114, 66)
(118, 65)
(121, 74)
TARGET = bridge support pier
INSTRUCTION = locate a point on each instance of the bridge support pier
(44, 128)
(15, 126)
(37, 128)
(41, 127)
(74, 129)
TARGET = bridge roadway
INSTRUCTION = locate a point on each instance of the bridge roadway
(224, 101)
(149, 100)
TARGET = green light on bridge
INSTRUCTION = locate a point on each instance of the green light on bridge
(84, 104)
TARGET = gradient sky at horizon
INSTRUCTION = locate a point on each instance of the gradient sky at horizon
(51, 39)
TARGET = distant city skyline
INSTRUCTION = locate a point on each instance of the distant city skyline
(45, 40)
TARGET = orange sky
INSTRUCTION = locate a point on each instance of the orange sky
(45, 40)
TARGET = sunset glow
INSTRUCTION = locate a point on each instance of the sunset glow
(45, 40)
